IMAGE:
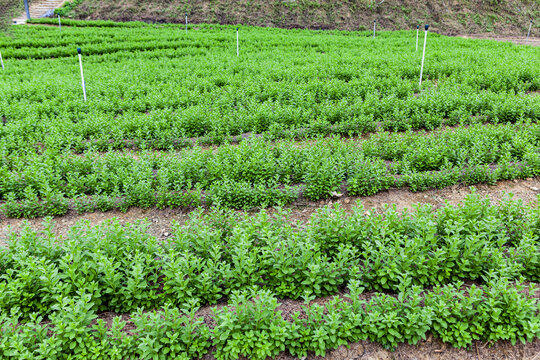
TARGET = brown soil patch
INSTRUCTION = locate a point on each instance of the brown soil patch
(433, 349)
(516, 40)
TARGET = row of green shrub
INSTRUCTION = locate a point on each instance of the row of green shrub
(123, 268)
(261, 173)
(252, 325)
(243, 195)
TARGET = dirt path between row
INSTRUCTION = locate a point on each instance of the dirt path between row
(516, 40)
(161, 220)
(429, 349)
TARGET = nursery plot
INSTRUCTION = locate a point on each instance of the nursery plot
(399, 276)
(158, 88)
(177, 120)
(155, 87)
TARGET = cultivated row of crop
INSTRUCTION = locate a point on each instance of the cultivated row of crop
(302, 82)
(252, 260)
(124, 268)
(39, 125)
(252, 325)
(261, 173)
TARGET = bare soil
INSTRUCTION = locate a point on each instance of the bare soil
(433, 349)
(522, 40)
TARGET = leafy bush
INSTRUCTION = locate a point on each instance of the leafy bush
(251, 327)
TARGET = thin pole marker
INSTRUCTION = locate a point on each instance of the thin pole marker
(423, 56)
(529, 32)
(27, 9)
(82, 74)
(237, 44)
(374, 27)
(59, 23)
(417, 30)
(186, 23)
(2, 61)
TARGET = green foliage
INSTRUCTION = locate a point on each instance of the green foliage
(243, 195)
(279, 118)
(500, 312)
(168, 333)
(322, 177)
(369, 178)
(31, 207)
(123, 268)
(250, 260)
(250, 327)
(259, 173)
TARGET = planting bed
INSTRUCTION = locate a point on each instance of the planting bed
(268, 181)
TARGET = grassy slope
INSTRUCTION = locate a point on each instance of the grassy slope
(446, 16)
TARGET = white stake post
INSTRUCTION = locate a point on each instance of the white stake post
(374, 27)
(2, 61)
(529, 32)
(27, 8)
(237, 44)
(82, 74)
(59, 23)
(186, 23)
(417, 30)
(423, 57)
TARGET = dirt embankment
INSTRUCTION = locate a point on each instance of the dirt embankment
(450, 17)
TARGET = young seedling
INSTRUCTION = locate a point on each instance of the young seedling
(423, 56)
